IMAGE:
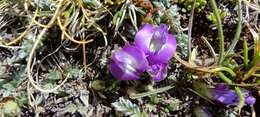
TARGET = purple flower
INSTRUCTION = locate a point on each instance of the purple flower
(222, 94)
(152, 50)
(158, 71)
(128, 63)
(156, 42)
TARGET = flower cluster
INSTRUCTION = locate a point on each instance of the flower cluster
(151, 52)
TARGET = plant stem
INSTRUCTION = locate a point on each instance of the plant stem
(245, 53)
(224, 78)
(255, 61)
(204, 69)
(159, 90)
(29, 63)
(190, 27)
(241, 99)
(250, 73)
(238, 29)
(220, 31)
(14, 41)
(230, 71)
(246, 85)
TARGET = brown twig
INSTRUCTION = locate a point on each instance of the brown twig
(29, 67)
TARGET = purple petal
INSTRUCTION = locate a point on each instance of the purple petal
(128, 63)
(221, 87)
(165, 53)
(158, 72)
(143, 37)
(157, 43)
(158, 39)
(162, 28)
(120, 73)
(141, 63)
(225, 96)
(249, 99)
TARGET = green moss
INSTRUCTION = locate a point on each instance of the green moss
(211, 17)
(11, 108)
(199, 5)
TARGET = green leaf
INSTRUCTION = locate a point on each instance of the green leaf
(54, 75)
(211, 17)
(74, 72)
(72, 108)
(116, 17)
(173, 104)
(93, 4)
(127, 107)
(27, 46)
(22, 98)
(48, 85)
(155, 91)
(199, 5)
(98, 85)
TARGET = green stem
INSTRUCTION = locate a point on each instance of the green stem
(252, 67)
(254, 62)
(238, 29)
(250, 73)
(233, 74)
(241, 99)
(224, 78)
(200, 95)
(220, 30)
(256, 75)
(245, 53)
(190, 28)
(159, 90)
(246, 85)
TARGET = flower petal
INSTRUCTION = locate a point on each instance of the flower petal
(221, 87)
(128, 63)
(158, 71)
(249, 99)
(165, 53)
(226, 96)
(139, 57)
(120, 73)
(158, 39)
(143, 37)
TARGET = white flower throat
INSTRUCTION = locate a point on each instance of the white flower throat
(130, 63)
(157, 41)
